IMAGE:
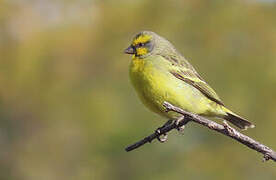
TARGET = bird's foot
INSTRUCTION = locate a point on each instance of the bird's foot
(161, 137)
(164, 135)
(178, 120)
(180, 129)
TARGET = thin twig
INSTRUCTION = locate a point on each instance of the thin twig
(225, 129)
(153, 136)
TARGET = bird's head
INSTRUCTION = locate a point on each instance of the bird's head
(147, 43)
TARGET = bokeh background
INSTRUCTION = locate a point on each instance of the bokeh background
(67, 109)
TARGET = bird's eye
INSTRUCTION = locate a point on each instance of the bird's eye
(141, 44)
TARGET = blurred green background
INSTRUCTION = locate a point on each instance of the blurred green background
(67, 109)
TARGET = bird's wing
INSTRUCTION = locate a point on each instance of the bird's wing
(184, 71)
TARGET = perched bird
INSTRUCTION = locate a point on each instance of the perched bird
(160, 73)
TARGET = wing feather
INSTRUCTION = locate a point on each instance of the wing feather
(203, 87)
(184, 71)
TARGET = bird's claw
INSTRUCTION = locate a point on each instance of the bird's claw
(164, 135)
(159, 138)
(177, 121)
(181, 129)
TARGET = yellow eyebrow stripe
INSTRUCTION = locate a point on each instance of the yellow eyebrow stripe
(141, 39)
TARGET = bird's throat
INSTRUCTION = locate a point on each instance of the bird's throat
(137, 64)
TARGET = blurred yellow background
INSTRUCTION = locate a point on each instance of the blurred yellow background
(67, 109)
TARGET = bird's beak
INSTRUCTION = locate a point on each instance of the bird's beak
(130, 50)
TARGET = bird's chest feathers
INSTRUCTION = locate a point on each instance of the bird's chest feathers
(140, 72)
(147, 74)
(147, 80)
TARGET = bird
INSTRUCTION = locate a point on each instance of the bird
(159, 73)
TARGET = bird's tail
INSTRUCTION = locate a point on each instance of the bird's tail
(238, 121)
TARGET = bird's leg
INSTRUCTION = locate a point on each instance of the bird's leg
(165, 135)
(180, 129)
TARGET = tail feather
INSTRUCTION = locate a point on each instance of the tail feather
(238, 121)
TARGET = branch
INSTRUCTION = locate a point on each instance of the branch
(223, 129)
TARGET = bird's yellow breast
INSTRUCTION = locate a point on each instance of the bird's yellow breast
(148, 83)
